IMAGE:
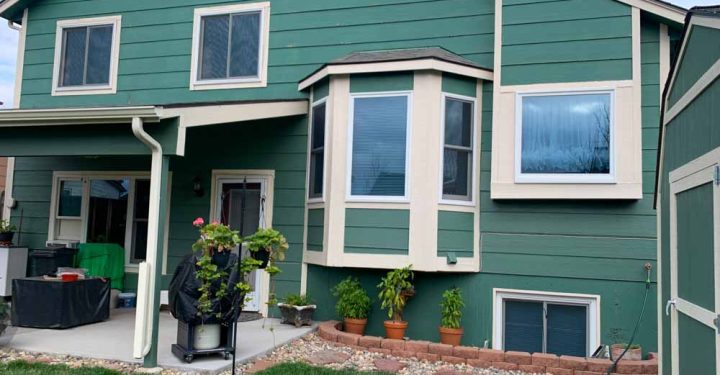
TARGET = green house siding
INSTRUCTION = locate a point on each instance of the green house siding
(565, 41)
(381, 82)
(702, 51)
(454, 84)
(155, 52)
(373, 231)
(279, 145)
(455, 233)
(693, 133)
(316, 229)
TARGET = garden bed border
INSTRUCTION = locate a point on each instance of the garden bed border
(485, 358)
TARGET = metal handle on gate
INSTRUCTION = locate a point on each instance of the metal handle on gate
(671, 302)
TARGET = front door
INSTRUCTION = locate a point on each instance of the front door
(241, 203)
(694, 270)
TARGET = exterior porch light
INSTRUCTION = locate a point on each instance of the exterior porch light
(197, 187)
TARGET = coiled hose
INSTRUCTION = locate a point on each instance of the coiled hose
(612, 367)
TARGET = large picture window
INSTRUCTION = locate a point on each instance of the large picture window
(378, 143)
(564, 137)
(458, 143)
(317, 150)
(229, 45)
(86, 56)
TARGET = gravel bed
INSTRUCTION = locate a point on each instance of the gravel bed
(306, 349)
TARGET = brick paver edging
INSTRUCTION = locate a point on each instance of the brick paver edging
(478, 357)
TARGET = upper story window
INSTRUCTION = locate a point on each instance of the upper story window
(230, 46)
(564, 137)
(86, 56)
(458, 147)
(317, 150)
(379, 135)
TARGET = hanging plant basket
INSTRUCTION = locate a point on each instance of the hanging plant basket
(6, 237)
(261, 255)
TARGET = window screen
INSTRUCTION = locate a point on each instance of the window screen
(230, 46)
(457, 153)
(86, 54)
(379, 146)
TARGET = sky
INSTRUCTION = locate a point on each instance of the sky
(9, 38)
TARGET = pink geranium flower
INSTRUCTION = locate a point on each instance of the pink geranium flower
(198, 222)
(215, 222)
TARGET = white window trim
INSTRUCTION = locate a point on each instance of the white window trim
(111, 87)
(231, 83)
(473, 167)
(349, 197)
(560, 178)
(80, 175)
(592, 302)
(321, 198)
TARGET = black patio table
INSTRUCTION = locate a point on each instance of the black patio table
(47, 303)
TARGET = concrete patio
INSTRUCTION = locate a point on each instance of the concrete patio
(112, 340)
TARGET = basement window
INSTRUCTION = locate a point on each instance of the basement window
(557, 323)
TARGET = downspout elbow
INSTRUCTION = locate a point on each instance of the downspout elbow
(144, 137)
(14, 26)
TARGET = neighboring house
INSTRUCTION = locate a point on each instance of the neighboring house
(688, 199)
(507, 148)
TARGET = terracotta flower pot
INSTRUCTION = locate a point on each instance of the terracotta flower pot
(395, 330)
(356, 326)
(451, 336)
(633, 354)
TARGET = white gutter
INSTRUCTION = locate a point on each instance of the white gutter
(146, 276)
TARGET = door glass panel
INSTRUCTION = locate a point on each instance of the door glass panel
(245, 219)
(695, 246)
(696, 346)
(107, 211)
(523, 326)
(70, 202)
(567, 330)
(140, 221)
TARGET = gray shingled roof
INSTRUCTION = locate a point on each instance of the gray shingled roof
(713, 10)
(403, 55)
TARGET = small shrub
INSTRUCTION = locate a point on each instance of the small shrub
(395, 289)
(451, 308)
(353, 301)
(6, 227)
(298, 300)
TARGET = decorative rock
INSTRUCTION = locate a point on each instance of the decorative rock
(388, 365)
(260, 365)
(327, 357)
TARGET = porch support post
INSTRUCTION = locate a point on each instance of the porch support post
(150, 271)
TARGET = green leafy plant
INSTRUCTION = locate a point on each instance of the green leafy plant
(353, 301)
(451, 308)
(395, 289)
(298, 300)
(272, 241)
(6, 227)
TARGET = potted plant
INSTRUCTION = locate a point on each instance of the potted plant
(267, 245)
(395, 290)
(353, 305)
(7, 232)
(451, 310)
(297, 309)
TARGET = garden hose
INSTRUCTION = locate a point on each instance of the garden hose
(648, 268)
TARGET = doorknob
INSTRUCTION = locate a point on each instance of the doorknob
(671, 302)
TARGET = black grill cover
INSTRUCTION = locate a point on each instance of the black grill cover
(39, 303)
(183, 293)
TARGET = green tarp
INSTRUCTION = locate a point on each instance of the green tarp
(104, 260)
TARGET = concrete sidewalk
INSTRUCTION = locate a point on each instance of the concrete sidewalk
(113, 339)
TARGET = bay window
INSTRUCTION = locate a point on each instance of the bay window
(378, 145)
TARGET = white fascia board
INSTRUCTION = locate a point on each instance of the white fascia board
(77, 116)
(658, 8)
(192, 116)
(397, 66)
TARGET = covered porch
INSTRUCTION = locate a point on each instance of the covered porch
(187, 167)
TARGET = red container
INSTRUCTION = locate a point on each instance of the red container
(69, 277)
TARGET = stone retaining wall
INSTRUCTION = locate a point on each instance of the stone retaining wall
(478, 357)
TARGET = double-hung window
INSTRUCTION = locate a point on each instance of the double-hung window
(230, 46)
(379, 135)
(564, 137)
(86, 56)
(458, 145)
(317, 150)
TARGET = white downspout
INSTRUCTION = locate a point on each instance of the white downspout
(14, 26)
(146, 279)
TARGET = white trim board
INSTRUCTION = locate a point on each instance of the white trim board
(264, 37)
(697, 88)
(20, 62)
(87, 89)
(591, 301)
